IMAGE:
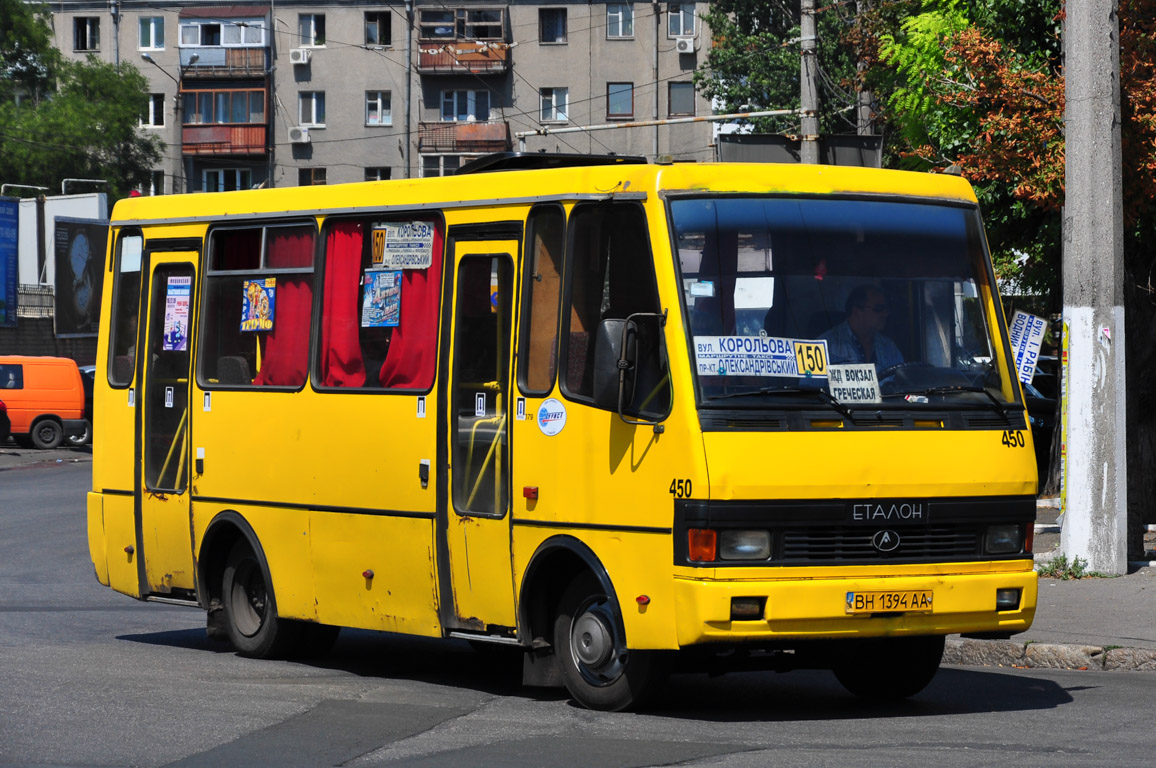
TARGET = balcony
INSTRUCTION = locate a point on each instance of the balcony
(216, 62)
(223, 139)
(493, 136)
(453, 57)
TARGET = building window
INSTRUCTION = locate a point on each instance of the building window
(465, 105)
(154, 186)
(311, 28)
(554, 102)
(381, 173)
(461, 24)
(377, 108)
(620, 99)
(152, 33)
(86, 33)
(680, 20)
(154, 115)
(440, 165)
(310, 177)
(377, 28)
(619, 20)
(312, 108)
(552, 25)
(226, 179)
(681, 98)
(204, 107)
(232, 34)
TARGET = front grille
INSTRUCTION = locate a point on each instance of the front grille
(844, 543)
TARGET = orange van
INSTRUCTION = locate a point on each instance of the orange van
(45, 399)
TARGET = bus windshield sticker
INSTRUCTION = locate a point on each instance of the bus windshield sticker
(760, 356)
(551, 417)
(1026, 334)
(407, 245)
(382, 305)
(854, 383)
(258, 304)
(704, 288)
(176, 328)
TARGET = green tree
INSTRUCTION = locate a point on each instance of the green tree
(753, 63)
(67, 119)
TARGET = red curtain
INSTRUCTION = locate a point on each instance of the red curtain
(287, 346)
(341, 361)
(412, 357)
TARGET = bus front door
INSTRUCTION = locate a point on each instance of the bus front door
(473, 506)
(164, 541)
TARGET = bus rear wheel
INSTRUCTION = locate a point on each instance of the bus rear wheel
(251, 620)
(599, 672)
(889, 669)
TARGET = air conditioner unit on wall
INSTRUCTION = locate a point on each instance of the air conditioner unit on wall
(684, 44)
(299, 55)
(298, 135)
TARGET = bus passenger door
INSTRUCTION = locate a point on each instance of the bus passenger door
(473, 498)
(164, 541)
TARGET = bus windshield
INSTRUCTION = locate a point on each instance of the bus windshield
(844, 301)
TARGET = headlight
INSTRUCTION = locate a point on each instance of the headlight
(1004, 539)
(744, 545)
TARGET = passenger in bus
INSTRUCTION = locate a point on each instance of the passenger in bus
(860, 338)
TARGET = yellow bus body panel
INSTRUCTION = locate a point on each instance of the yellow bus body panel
(329, 482)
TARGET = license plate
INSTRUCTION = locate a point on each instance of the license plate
(913, 601)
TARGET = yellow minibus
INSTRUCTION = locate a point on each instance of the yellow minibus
(610, 413)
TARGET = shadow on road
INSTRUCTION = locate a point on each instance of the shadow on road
(804, 695)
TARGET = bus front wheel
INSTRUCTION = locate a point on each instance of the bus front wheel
(888, 669)
(251, 620)
(599, 672)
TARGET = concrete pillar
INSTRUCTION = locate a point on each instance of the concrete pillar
(808, 85)
(1095, 468)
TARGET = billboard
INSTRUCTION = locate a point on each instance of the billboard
(79, 261)
(9, 240)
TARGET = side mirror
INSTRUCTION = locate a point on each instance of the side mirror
(624, 355)
(614, 364)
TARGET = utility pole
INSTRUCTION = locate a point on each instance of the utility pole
(808, 86)
(408, 84)
(864, 124)
(1095, 470)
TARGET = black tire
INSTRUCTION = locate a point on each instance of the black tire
(251, 620)
(47, 433)
(85, 439)
(889, 669)
(598, 670)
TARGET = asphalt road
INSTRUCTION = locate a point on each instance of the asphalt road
(92, 678)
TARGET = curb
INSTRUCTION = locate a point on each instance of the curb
(1021, 655)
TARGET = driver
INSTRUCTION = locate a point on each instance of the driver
(860, 338)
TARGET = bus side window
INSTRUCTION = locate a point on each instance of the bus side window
(257, 307)
(380, 345)
(126, 303)
(612, 276)
(542, 292)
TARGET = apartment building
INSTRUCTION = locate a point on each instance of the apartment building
(295, 93)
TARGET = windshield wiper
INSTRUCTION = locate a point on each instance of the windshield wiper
(822, 394)
(1000, 405)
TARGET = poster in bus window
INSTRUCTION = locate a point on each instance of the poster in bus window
(176, 328)
(403, 245)
(381, 307)
(259, 304)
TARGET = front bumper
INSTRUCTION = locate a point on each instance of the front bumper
(814, 608)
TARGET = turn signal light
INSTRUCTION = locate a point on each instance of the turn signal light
(701, 545)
